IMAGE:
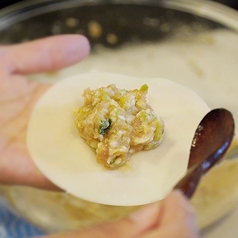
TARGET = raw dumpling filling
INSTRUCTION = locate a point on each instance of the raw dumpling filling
(118, 123)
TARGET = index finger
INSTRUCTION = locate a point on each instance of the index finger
(46, 54)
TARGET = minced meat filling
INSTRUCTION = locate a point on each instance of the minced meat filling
(118, 123)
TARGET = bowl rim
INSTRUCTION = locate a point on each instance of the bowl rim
(211, 10)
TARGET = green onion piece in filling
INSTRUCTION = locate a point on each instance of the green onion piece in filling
(104, 126)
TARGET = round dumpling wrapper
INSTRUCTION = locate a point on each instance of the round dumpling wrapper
(65, 158)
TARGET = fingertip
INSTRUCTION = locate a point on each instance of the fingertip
(177, 194)
(138, 222)
(182, 201)
(83, 46)
(178, 216)
(177, 201)
(178, 209)
(71, 48)
(148, 212)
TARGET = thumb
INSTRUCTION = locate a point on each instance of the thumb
(132, 226)
(177, 217)
(136, 223)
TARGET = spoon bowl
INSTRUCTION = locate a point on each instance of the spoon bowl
(211, 140)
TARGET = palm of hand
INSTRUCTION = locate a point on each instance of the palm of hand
(19, 95)
(17, 98)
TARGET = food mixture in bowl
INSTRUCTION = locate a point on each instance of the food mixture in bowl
(118, 123)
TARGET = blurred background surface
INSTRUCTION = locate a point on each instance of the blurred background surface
(231, 3)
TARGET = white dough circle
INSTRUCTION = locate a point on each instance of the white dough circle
(65, 158)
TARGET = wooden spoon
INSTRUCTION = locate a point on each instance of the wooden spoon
(211, 140)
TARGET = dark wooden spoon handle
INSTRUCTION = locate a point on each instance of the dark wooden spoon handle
(189, 182)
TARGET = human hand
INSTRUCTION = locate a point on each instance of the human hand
(18, 96)
(172, 218)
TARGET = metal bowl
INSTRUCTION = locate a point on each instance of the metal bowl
(192, 42)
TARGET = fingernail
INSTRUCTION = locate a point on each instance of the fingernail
(145, 212)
